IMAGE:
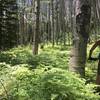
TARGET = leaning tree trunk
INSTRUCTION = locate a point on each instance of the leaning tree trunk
(36, 35)
(81, 34)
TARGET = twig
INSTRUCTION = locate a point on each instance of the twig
(4, 89)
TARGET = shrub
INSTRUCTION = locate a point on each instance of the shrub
(15, 56)
(50, 84)
(23, 55)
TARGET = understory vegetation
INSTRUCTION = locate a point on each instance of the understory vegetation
(49, 49)
(44, 76)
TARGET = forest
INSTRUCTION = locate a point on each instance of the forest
(49, 49)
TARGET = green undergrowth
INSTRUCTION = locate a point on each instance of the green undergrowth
(42, 77)
(48, 57)
(43, 84)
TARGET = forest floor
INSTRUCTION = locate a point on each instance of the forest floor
(44, 76)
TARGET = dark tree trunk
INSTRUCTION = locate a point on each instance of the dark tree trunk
(81, 35)
(37, 33)
(98, 73)
(53, 34)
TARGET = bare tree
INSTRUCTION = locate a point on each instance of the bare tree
(53, 34)
(36, 35)
(81, 35)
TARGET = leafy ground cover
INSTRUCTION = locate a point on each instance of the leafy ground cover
(42, 77)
